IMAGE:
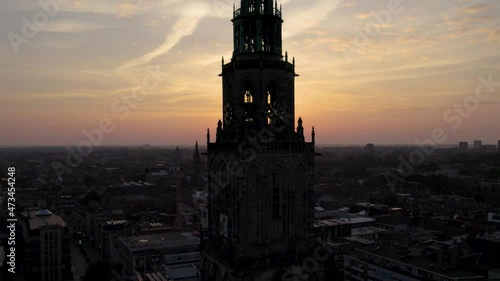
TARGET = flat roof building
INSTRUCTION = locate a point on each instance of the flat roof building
(46, 243)
(388, 264)
(143, 254)
(370, 148)
(478, 145)
(463, 146)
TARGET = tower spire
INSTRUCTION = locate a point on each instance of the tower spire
(300, 130)
(196, 166)
(257, 27)
(196, 150)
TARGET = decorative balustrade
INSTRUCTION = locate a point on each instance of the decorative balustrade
(268, 64)
(258, 11)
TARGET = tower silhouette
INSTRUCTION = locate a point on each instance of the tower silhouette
(260, 168)
(195, 179)
(177, 156)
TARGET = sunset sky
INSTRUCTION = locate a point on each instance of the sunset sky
(370, 71)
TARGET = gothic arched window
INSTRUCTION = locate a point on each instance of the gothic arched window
(248, 96)
(271, 101)
(248, 92)
(272, 92)
(249, 106)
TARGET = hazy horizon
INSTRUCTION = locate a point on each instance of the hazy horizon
(189, 146)
(371, 70)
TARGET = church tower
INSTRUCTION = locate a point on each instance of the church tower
(195, 178)
(260, 167)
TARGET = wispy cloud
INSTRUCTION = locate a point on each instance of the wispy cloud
(364, 15)
(100, 73)
(461, 20)
(119, 8)
(188, 19)
(476, 9)
(350, 5)
(493, 33)
(471, 26)
(70, 27)
(307, 15)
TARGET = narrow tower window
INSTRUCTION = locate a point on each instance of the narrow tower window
(248, 96)
(249, 106)
(271, 93)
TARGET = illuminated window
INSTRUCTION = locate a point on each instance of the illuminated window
(248, 96)
(272, 93)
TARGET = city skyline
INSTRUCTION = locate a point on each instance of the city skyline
(385, 72)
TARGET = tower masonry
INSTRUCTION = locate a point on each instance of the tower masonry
(260, 166)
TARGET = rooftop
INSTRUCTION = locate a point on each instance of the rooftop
(495, 237)
(164, 240)
(113, 222)
(43, 217)
(392, 219)
(359, 240)
(342, 221)
(418, 262)
(366, 230)
(155, 276)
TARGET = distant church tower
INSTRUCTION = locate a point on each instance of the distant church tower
(260, 168)
(195, 179)
(177, 157)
